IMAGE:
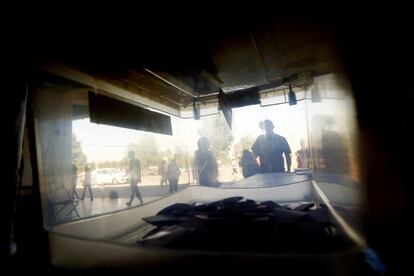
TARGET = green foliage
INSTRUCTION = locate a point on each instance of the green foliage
(78, 157)
(220, 136)
(146, 151)
(246, 142)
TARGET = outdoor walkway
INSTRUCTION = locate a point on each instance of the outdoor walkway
(102, 204)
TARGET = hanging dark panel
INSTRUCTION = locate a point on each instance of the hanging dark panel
(225, 107)
(109, 111)
(243, 97)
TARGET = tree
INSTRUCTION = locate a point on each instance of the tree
(78, 157)
(246, 142)
(146, 151)
(165, 154)
(111, 164)
(180, 153)
(218, 133)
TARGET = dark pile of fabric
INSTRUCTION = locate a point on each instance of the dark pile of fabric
(235, 224)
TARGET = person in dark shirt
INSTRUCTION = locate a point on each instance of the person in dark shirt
(173, 174)
(270, 148)
(248, 164)
(205, 164)
(134, 177)
(87, 182)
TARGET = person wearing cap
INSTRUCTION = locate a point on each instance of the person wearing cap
(270, 148)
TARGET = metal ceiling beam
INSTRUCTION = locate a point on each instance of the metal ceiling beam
(191, 93)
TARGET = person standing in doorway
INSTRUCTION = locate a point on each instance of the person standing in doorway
(270, 148)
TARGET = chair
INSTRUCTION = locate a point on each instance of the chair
(64, 204)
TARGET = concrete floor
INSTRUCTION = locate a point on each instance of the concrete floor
(102, 204)
(97, 206)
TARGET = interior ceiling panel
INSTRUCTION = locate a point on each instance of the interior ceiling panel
(239, 63)
(268, 47)
(176, 65)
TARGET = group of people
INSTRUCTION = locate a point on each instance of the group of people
(170, 174)
(134, 178)
(270, 148)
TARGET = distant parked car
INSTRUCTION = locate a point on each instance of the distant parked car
(153, 170)
(108, 176)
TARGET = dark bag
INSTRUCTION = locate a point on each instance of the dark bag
(113, 195)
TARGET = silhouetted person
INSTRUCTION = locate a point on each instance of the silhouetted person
(87, 182)
(205, 164)
(334, 152)
(74, 181)
(134, 177)
(270, 147)
(332, 156)
(300, 159)
(173, 174)
(248, 164)
(163, 173)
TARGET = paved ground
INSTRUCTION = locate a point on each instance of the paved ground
(225, 174)
(102, 204)
(87, 207)
(150, 189)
